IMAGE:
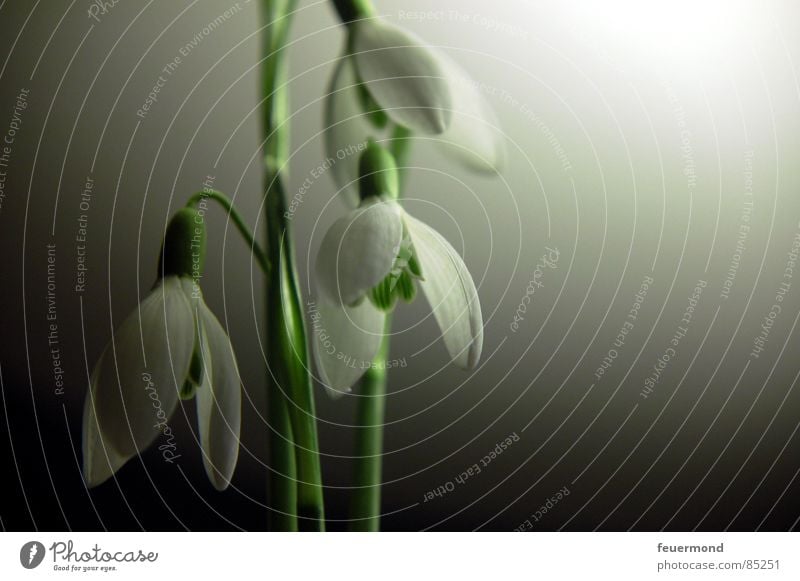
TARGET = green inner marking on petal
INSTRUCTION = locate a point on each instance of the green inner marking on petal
(406, 287)
(400, 282)
(414, 268)
(382, 295)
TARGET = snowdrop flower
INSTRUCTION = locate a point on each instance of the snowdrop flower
(171, 347)
(373, 256)
(388, 74)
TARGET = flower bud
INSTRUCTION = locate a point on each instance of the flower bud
(377, 173)
(184, 249)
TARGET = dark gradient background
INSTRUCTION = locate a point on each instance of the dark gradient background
(640, 142)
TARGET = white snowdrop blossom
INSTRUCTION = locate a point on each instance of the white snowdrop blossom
(388, 74)
(368, 258)
(171, 347)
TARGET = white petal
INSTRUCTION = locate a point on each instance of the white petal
(219, 401)
(345, 342)
(449, 288)
(100, 459)
(346, 130)
(403, 75)
(133, 401)
(358, 251)
(473, 138)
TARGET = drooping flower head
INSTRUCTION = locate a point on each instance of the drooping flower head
(374, 256)
(171, 347)
(390, 78)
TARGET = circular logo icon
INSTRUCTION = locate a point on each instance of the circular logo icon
(31, 554)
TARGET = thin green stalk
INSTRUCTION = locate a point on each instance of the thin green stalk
(400, 146)
(282, 494)
(282, 481)
(238, 221)
(287, 350)
(278, 341)
(288, 356)
(365, 503)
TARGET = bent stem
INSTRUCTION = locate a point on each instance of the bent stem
(238, 221)
(296, 476)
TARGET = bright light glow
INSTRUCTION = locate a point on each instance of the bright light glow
(683, 33)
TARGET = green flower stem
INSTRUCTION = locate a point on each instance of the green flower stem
(400, 147)
(290, 393)
(282, 485)
(282, 482)
(282, 496)
(365, 503)
(238, 221)
(288, 357)
(352, 10)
